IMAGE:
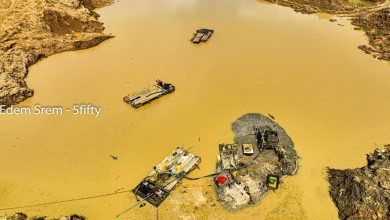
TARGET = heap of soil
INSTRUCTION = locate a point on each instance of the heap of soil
(34, 29)
(376, 24)
(363, 193)
(281, 161)
(372, 16)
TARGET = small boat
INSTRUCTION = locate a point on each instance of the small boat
(197, 38)
(202, 35)
(149, 94)
(156, 187)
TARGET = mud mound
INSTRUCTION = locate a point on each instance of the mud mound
(363, 193)
(376, 24)
(98, 3)
(34, 29)
(246, 175)
(62, 23)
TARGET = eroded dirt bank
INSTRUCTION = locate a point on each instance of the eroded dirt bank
(372, 16)
(34, 29)
(363, 193)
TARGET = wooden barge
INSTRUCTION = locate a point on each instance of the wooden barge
(149, 94)
(156, 187)
(202, 35)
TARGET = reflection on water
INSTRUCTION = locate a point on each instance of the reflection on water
(329, 96)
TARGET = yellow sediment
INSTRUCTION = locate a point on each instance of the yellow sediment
(330, 97)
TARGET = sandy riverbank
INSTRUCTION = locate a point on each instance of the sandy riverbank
(34, 29)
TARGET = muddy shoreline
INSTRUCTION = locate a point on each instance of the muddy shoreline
(35, 29)
(23, 216)
(371, 16)
(363, 193)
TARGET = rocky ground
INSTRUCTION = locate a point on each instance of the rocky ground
(33, 29)
(376, 24)
(22, 216)
(251, 175)
(363, 193)
(372, 16)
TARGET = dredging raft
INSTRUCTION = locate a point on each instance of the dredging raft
(149, 94)
(202, 35)
(156, 187)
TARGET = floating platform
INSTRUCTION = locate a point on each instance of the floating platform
(156, 187)
(202, 35)
(149, 94)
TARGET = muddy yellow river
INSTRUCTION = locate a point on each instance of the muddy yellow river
(331, 98)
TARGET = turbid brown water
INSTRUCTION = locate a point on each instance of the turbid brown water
(330, 97)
